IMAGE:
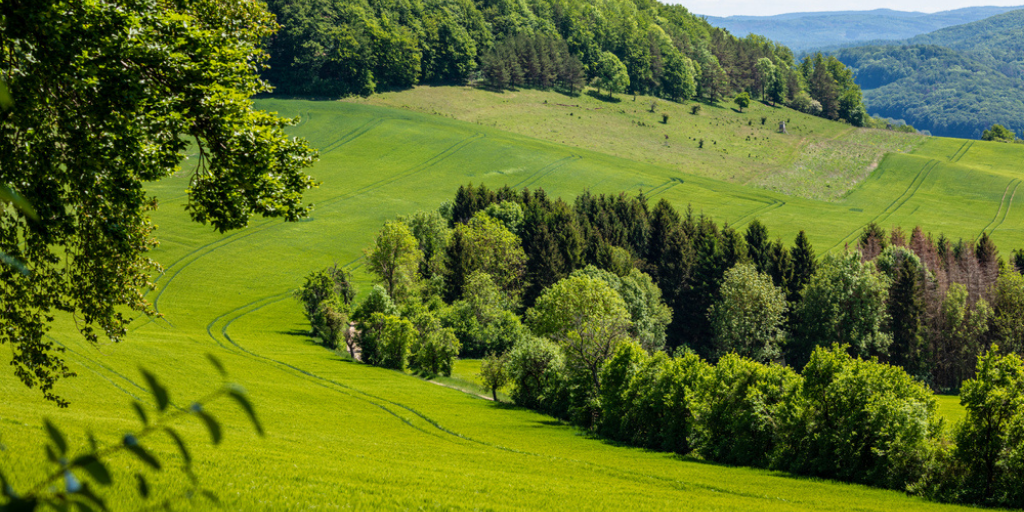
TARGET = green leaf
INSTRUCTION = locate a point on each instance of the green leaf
(211, 424)
(87, 493)
(57, 437)
(239, 396)
(141, 413)
(181, 445)
(9, 196)
(141, 453)
(159, 392)
(93, 446)
(83, 506)
(143, 486)
(208, 494)
(96, 469)
(217, 364)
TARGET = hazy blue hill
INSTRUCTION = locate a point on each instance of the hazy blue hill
(955, 82)
(934, 88)
(803, 31)
(997, 42)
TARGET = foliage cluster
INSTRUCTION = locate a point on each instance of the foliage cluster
(99, 99)
(357, 48)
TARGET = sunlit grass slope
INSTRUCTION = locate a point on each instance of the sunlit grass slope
(816, 158)
(343, 435)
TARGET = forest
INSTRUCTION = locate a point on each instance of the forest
(954, 82)
(662, 329)
(329, 48)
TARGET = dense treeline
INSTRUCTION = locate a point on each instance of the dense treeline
(330, 47)
(609, 313)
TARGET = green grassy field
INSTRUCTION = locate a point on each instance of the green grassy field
(343, 435)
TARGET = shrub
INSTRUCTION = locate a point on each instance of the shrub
(646, 398)
(536, 368)
(378, 301)
(743, 411)
(695, 109)
(989, 451)
(435, 348)
(385, 341)
(749, 315)
(664, 118)
(864, 422)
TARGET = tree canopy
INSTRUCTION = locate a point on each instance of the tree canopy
(104, 98)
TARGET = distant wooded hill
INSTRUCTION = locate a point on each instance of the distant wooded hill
(956, 82)
(803, 31)
(358, 47)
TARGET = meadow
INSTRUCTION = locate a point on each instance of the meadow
(344, 435)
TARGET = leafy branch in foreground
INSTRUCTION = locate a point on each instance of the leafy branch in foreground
(72, 478)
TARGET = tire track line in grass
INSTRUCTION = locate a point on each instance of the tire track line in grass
(543, 170)
(545, 174)
(354, 134)
(774, 204)
(1005, 212)
(430, 162)
(329, 384)
(896, 204)
(372, 399)
(999, 210)
(85, 361)
(201, 251)
(952, 158)
(970, 144)
(665, 187)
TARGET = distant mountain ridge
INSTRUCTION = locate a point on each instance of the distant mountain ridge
(807, 30)
(956, 81)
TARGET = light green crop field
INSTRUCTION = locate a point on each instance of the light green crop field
(341, 435)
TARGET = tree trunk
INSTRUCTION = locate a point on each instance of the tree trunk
(494, 394)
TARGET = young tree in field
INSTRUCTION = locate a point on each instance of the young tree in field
(395, 258)
(610, 74)
(749, 316)
(742, 100)
(100, 106)
(586, 318)
(493, 373)
(844, 303)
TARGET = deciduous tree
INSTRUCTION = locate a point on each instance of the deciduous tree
(107, 96)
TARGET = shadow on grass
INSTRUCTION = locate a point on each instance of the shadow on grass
(602, 97)
(295, 332)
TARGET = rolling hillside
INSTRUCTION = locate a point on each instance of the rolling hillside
(345, 435)
(804, 31)
(954, 82)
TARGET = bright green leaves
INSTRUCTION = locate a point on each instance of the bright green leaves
(68, 484)
(80, 137)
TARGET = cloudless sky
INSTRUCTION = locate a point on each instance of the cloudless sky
(768, 8)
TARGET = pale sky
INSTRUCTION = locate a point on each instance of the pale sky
(763, 8)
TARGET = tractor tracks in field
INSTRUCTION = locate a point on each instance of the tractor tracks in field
(772, 204)
(664, 187)
(191, 257)
(543, 172)
(1002, 213)
(961, 151)
(896, 204)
